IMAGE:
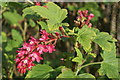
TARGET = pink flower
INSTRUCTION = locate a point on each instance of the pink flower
(41, 48)
(44, 35)
(90, 16)
(33, 41)
(84, 18)
(50, 48)
(36, 56)
(89, 25)
(85, 13)
(62, 59)
(32, 51)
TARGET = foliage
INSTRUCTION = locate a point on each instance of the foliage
(48, 26)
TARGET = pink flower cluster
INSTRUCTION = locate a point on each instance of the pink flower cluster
(32, 51)
(85, 18)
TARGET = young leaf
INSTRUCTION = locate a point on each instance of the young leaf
(102, 39)
(109, 65)
(16, 36)
(66, 73)
(40, 71)
(92, 54)
(79, 57)
(85, 37)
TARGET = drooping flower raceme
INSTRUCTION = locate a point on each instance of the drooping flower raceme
(84, 18)
(32, 51)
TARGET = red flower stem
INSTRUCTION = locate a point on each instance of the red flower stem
(64, 36)
(50, 41)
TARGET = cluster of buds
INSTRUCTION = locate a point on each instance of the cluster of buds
(32, 51)
(84, 19)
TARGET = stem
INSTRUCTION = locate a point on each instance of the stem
(79, 68)
(24, 31)
(30, 1)
(20, 28)
(50, 41)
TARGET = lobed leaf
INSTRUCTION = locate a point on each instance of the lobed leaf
(66, 73)
(85, 37)
(41, 71)
(109, 65)
(53, 13)
(102, 39)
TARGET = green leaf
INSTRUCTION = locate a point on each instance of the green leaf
(16, 36)
(41, 71)
(85, 37)
(86, 75)
(43, 25)
(95, 30)
(53, 13)
(78, 52)
(56, 12)
(32, 23)
(66, 73)
(9, 46)
(102, 39)
(64, 24)
(13, 17)
(3, 4)
(56, 71)
(109, 65)
(93, 54)
(4, 37)
(79, 57)
(17, 40)
(15, 43)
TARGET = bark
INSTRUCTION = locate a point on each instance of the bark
(113, 20)
(118, 29)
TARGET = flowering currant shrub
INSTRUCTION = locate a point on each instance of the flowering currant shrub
(84, 37)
